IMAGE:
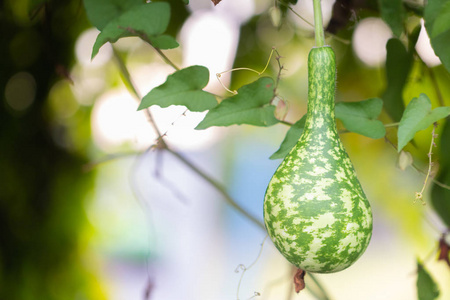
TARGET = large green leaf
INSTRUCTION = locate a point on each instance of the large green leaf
(418, 116)
(361, 117)
(398, 66)
(164, 41)
(101, 12)
(392, 12)
(440, 196)
(291, 138)
(250, 106)
(147, 20)
(183, 87)
(427, 289)
(437, 23)
(444, 145)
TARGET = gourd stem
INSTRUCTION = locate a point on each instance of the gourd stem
(318, 23)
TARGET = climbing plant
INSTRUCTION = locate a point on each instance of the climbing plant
(311, 146)
(409, 110)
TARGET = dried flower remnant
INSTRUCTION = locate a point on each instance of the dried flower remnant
(299, 280)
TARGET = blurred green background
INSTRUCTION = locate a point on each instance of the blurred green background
(86, 212)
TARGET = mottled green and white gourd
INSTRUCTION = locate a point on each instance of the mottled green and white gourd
(315, 210)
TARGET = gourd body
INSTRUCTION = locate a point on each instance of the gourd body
(315, 210)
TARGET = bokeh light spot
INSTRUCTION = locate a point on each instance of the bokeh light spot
(83, 49)
(20, 91)
(369, 41)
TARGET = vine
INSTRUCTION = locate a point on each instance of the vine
(360, 117)
(419, 195)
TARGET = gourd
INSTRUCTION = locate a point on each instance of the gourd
(315, 210)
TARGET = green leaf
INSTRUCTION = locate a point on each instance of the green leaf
(442, 23)
(418, 116)
(361, 117)
(440, 196)
(437, 24)
(164, 41)
(250, 106)
(186, 2)
(398, 66)
(149, 20)
(101, 12)
(444, 145)
(184, 87)
(426, 287)
(413, 37)
(392, 12)
(291, 139)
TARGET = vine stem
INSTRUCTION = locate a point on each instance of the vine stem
(415, 167)
(344, 41)
(318, 24)
(229, 200)
(419, 195)
(161, 144)
(130, 84)
(219, 75)
(164, 57)
(245, 269)
(145, 38)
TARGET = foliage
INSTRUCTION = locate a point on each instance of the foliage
(439, 194)
(290, 139)
(437, 14)
(42, 184)
(184, 87)
(418, 116)
(148, 21)
(251, 106)
(398, 66)
(392, 12)
(426, 287)
(252, 103)
(361, 117)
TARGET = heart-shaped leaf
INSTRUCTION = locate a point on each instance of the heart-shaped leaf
(361, 117)
(398, 66)
(183, 87)
(440, 195)
(250, 106)
(164, 41)
(418, 116)
(145, 20)
(101, 12)
(427, 289)
(291, 139)
(392, 12)
(437, 23)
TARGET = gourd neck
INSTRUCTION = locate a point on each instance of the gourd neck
(321, 88)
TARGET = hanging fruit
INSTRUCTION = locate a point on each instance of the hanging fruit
(315, 211)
